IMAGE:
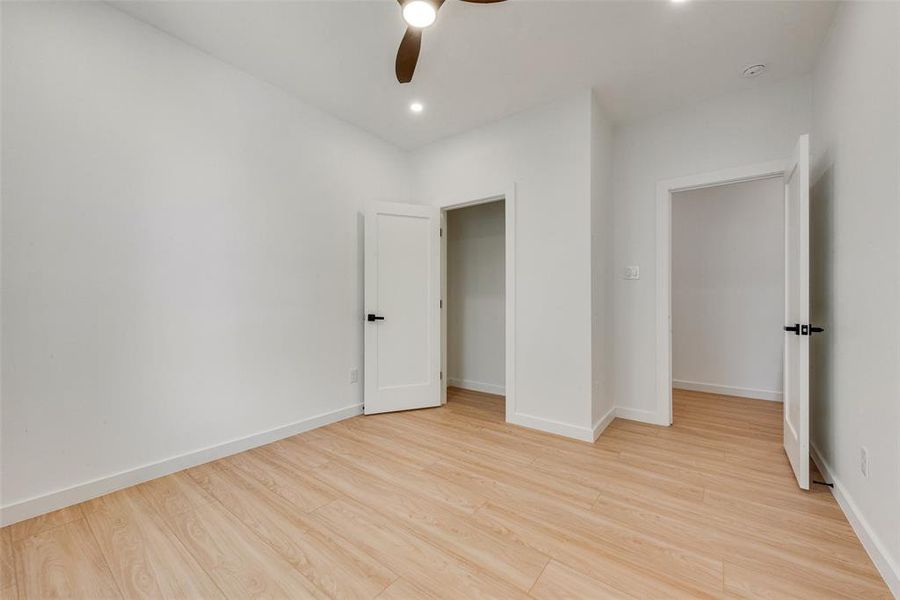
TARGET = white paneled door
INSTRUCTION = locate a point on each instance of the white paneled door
(796, 311)
(402, 299)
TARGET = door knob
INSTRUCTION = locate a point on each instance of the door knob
(372, 318)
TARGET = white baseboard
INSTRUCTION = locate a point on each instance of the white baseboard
(603, 422)
(477, 386)
(643, 416)
(32, 507)
(585, 434)
(878, 552)
(728, 390)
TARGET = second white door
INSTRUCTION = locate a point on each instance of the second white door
(402, 299)
(796, 312)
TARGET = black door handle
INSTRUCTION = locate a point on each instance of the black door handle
(799, 329)
(372, 318)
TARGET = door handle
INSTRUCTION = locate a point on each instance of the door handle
(799, 329)
(372, 318)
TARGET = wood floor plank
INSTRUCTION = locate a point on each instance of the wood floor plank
(440, 573)
(7, 564)
(749, 583)
(404, 590)
(293, 452)
(295, 486)
(559, 582)
(444, 528)
(592, 559)
(24, 529)
(704, 532)
(145, 558)
(9, 593)
(340, 567)
(695, 570)
(240, 564)
(174, 494)
(413, 480)
(63, 562)
(335, 567)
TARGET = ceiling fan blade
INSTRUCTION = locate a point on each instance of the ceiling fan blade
(408, 54)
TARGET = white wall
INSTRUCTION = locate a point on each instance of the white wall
(602, 399)
(476, 299)
(729, 131)
(856, 271)
(728, 289)
(180, 251)
(546, 152)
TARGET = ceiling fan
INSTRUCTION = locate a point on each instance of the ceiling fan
(418, 15)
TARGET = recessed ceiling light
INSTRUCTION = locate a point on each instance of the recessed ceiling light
(753, 71)
(416, 107)
(678, 1)
(419, 13)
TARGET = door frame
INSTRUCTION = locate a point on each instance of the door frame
(664, 191)
(508, 195)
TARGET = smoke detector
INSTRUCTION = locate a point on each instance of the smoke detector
(753, 71)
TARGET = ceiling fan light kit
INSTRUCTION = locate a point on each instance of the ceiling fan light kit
(418, 14)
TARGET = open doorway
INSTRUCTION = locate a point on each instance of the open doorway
(728, 293)
(475, 305)
(796, 328)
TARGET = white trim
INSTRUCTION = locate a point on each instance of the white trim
(477, 386)
(38, 505)
(664, 191)
(876, 549)
(584, 434)
(728, 390)
(643, 416)
(445, 234)
(603, 422)
(508, 195)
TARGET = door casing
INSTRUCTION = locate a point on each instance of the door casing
(662, 415)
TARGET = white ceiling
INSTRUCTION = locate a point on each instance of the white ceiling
(482, 62)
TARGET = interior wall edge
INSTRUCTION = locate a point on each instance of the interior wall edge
(875, 547)
(477, 386)
(39, 505)
(640, 415)
(576, 432)
(603, 422)
(728, 390)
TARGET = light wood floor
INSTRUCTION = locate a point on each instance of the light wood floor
(454, 503)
